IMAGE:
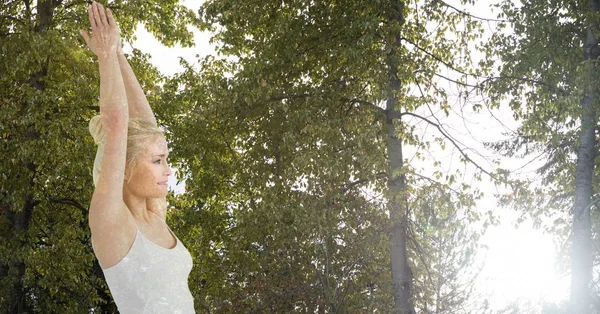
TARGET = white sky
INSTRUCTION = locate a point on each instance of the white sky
(519, 262)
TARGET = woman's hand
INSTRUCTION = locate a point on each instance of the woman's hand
(106, 37)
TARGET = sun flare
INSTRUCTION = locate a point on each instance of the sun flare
(521, 265)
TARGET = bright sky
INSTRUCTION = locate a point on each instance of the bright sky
(519, 263)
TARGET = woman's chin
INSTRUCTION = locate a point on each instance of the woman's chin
(162, 191)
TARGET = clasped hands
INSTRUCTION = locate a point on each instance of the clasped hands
(106, 38)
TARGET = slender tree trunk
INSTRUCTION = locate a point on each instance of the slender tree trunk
(581, 258)
(397, 197)
(18, 293)
(397, 206)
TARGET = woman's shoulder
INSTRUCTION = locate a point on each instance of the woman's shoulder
(111, 240)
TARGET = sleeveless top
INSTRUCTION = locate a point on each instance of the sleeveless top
(150, 279)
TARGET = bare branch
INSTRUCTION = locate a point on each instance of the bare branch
(68, 201)
(435, 57)
(448, 137)
(457, 82)
(448, 134)
(471, 15)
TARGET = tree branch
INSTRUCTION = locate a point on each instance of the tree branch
(360, 101)
(27, 9)
(420, 253)
(12, 18)
(436, 183)
(524, 79)
(68, 201)
(350, 185)
(528, 80)
(457, 82)
(448, 137)
(74, 3)
(434, 56)
(292, 96)
(471, 15)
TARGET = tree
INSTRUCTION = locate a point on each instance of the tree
(48, 87)
(446, 245)
(313, 113)
(548, 71)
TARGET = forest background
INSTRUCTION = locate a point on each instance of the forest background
(336, 155)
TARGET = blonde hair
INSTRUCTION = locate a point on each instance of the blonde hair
(138, 133)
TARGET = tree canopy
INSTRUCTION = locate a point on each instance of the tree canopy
(292, 143)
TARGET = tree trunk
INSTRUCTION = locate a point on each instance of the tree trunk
(18, 293)
(397, 198)
(397, 206)
(581, 258)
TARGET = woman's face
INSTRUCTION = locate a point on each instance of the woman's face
(151, 173)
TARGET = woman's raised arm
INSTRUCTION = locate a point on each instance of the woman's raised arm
(139, 108)
(107, 202)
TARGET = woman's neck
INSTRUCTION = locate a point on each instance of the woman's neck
(137, 206)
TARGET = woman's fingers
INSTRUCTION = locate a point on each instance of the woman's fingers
(97, 14)
(111, 20)
(85, 36)
(102, 12)
(91, 16)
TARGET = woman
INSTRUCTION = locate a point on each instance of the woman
(145, 265)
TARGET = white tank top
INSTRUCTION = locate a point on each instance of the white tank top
(150, 279)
